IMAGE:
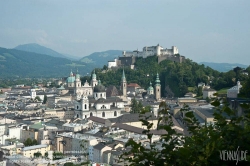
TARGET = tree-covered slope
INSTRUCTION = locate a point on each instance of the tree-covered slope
(16, 63)
(177, 76)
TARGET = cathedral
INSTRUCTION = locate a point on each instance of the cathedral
(91, 100)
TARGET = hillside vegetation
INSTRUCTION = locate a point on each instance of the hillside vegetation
(16, 63)
(98, 59)
(177, 76)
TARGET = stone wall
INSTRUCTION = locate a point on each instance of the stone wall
(174, 58)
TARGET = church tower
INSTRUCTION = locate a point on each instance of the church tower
(124, 85)
(157, 88)
(77, 80)
(94, 81)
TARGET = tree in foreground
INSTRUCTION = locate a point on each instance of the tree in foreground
(206, 145)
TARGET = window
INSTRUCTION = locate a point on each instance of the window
(96, 94)
(101, 94)
(103, 114)
(85, 106)
(115, 113)
(91, 114)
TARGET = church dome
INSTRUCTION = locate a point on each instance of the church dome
(99, 87)
(150, 88)
(70, 79)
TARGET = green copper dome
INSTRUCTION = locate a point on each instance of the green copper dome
(71, 79)
(94, 75)
(150, 88)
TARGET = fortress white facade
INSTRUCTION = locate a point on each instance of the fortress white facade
(152, 51)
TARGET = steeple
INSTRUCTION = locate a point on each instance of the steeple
(157, 88)
(93, 75)
(124, 85)
(123, 76)
(94, 81)
(77, 74)
(157, 81)
(71, 73)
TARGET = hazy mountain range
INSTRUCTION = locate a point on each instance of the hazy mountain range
(223, 67)
(33, 60)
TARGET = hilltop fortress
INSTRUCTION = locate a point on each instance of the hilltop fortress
(129, 58)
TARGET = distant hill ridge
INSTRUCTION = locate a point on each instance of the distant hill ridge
(223, 67)
(36, 48)
(99, 59)
(17, 63)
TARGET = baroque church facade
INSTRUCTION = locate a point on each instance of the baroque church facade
(91, 99)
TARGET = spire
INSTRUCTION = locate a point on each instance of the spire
(123, 76)
(93, 75)
(157, 81)
(71, 73)
(150, 83)
(99, 82)
(77, 71)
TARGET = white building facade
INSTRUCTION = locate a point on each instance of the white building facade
(234, 91)
(152, 51)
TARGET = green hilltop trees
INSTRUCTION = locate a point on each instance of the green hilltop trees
(176, 76)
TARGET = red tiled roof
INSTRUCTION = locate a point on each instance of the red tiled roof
(133, 85)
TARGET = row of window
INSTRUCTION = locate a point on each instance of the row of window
(91, 114)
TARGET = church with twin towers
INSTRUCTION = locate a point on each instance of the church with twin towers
(90, 99)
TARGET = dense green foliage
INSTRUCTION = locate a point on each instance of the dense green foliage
(29, 142)
(57, 155)
(37, 154)
(16, 63)
(38, 98)
(204, 146)
(177, 76)
(5, 83)
(136, 106)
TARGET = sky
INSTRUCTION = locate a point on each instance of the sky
(204, 31)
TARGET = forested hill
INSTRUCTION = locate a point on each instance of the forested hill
(177, 78)
(16, 63)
